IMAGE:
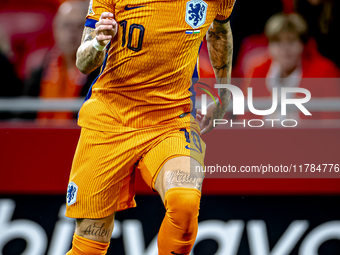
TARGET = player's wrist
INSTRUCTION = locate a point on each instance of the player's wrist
(97, 45)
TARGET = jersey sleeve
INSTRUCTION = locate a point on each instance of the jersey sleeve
(96, 8)
(225, 10)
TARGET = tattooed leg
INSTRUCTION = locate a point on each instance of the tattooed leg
(179, 178)
(96, 229)
(92, 236)
(179, 172)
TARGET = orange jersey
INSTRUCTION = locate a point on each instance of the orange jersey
(146, 76)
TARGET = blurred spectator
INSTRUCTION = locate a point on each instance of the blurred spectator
(10, 85)
(58, 76)
(292, 56)
(323, 24)
(290, 51)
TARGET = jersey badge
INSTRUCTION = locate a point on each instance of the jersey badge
(72, 190)
(196, 13)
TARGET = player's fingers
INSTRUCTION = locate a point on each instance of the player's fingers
(106, 15)
(207, 128)
(199, 124)
(203, 124)
(199, 114)
(106, 22)
(199, 121)
(115, 28)
(107, 28)
(210, 126)
(103, 28)
(103, 39)
(114, 23)
(206, 120)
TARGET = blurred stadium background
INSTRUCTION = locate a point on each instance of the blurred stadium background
(41, 92)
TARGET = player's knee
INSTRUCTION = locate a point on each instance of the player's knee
(182, 206)
(85, 246)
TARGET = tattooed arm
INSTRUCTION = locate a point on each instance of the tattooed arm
(88, 57)
(220, 48)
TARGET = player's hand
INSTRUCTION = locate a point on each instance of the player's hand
(206, 122)
(106, 28)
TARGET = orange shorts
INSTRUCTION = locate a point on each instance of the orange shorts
(102, 176)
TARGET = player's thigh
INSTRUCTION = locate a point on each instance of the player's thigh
(102, 179)
(175, 155)
(99, 230)
(179, 172)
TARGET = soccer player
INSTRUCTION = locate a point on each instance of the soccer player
(139, 115)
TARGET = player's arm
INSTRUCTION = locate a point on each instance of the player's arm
(91, 52)
(220, 48)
